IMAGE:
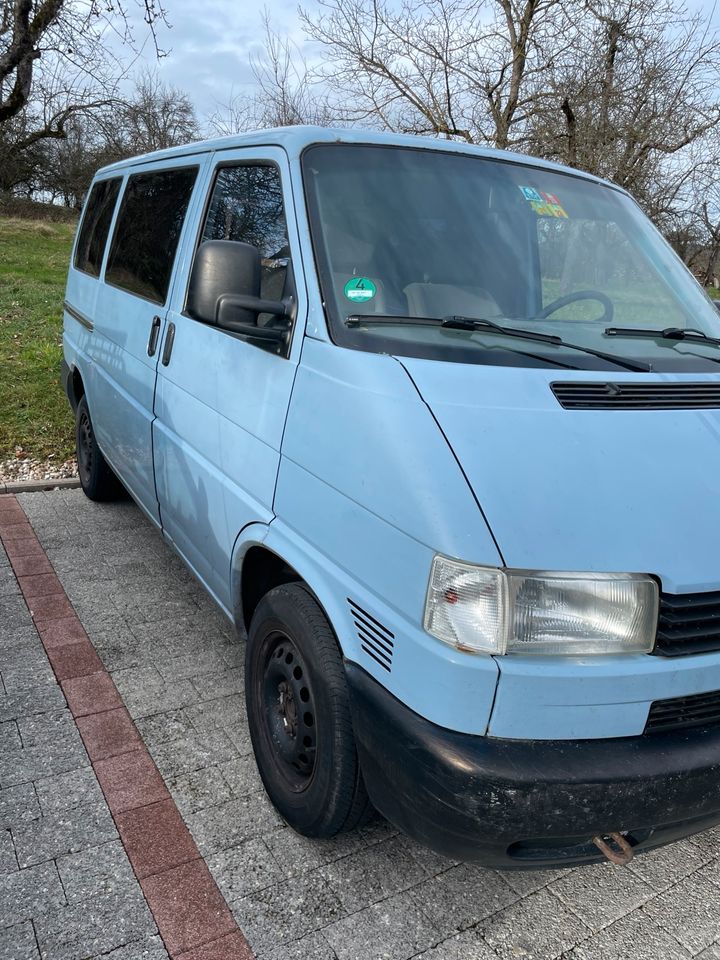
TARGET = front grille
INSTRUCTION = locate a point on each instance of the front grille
(689, 623)
(637, 396)
(699, 710)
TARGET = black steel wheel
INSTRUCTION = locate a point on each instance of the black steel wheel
(299, 715)
(289, 711)
(96, 478)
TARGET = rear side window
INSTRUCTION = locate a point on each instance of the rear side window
(147, 231)
(95, 227)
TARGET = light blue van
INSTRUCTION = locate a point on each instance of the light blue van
(440, 428)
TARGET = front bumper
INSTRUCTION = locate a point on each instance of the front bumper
(530, 803)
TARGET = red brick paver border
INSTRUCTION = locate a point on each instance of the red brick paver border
(130, 781)
(192, 916)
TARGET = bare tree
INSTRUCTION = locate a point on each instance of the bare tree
(693, 223)
(626, 89)
(285, 94)
(64, 167)
(632, 97)
(55, 63)
(236, 115)
(155, 116)
(452, 68)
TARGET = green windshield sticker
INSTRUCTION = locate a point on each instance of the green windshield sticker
(544, 204)
(360, 289)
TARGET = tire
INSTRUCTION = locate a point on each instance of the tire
(96, 478)
(299, 715)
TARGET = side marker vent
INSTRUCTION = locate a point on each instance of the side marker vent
(375, 640)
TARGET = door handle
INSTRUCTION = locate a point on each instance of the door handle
(169, 340)
(154, 334)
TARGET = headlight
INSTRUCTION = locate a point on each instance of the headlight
(484, 609)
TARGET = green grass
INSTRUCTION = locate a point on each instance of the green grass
(34, 413)
(636, 303)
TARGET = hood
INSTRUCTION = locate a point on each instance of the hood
(598, 490)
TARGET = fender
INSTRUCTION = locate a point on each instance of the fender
(463, 687)
(252, 535)
(295, 554)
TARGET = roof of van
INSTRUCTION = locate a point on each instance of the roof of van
(296, 138)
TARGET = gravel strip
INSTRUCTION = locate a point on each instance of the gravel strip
(26, 468)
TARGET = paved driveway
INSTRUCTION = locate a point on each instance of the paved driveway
(369, 894)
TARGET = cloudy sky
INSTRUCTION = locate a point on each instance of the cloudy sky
(211, 41)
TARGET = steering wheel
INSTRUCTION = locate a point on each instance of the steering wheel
(606, 302)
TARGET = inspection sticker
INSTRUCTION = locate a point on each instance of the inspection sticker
(544, 204)
(360, 289)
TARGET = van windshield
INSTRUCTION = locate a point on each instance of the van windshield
(404, 235)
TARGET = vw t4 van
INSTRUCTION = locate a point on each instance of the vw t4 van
(439, 427)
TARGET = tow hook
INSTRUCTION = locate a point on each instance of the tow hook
(621, 853)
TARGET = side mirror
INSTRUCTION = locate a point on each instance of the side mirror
(224, 289)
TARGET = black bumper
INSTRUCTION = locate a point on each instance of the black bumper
(530, 803)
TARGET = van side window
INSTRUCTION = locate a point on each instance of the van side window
(147, 231)
(247, 205)
(95, 227)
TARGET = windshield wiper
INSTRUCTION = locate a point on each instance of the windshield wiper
(359, 319)
(479, 323)
(473, 323)
(669, 333)
(675, 335)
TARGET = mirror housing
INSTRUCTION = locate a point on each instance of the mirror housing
(223, 267)
(224, 290)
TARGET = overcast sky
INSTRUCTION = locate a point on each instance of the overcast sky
(211, 41)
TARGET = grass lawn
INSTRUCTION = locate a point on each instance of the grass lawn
(34, 413)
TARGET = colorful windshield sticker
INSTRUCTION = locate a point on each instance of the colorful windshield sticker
(544, 204)
(360, 289)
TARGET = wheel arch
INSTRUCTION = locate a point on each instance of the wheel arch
(262, 569)
(262, 559)
(76, 387)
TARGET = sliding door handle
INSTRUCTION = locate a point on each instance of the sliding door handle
(169, 340)
(154, 334)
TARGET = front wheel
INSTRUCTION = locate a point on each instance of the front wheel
(96, 478)
(299, 715)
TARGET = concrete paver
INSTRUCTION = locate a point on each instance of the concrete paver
(635, 936)
(8, 858)
(61, 894)
(66, 831)
(94, 927)
(600, 894)
(67, 790)
(689, 909)
(17, 804)
(95, 871)
(370, 894)
(18, 942)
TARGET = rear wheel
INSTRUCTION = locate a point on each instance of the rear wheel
(299, 715)
(96, 478)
